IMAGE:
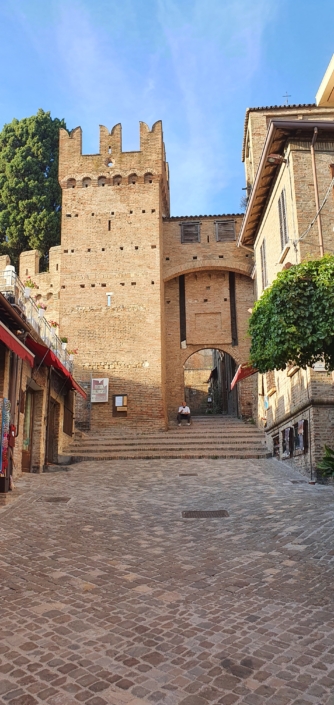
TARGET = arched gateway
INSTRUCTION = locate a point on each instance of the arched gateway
(207, 383)
(139, 291)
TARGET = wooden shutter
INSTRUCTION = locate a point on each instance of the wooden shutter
(270, 382)
(263, 265)
(283, 226)
(189, 232)
(300, 437)
(225, 231)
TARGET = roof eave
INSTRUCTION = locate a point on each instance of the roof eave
(274, 127)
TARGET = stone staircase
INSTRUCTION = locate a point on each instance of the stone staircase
(207, 437)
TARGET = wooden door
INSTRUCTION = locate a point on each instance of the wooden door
(53, 432)
(27, 431)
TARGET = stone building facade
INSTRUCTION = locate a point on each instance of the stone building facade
(36, 384)
(288, 153)
(135, 290)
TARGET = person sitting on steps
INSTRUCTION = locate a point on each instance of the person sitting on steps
(183, 413)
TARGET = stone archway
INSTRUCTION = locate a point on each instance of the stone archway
(207, 383)
(206, 310)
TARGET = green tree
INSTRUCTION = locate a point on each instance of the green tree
(30, 195)
(293, 321)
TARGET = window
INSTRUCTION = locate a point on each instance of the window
(300, 438)
(287, 442)
(225, 231)
(117, 180)
(276, 449)
(283, 226)
(120, 405)
(71, 183)
(86, 182)
(263, 265)
(148, 178)
(190, 232)
(133, 178)
(101, 181)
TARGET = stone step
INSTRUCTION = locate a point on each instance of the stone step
(241, 447)
(215, 437)
(171, 456)
(167, 436)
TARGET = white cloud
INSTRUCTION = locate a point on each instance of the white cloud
(216, 50)
(188, 62)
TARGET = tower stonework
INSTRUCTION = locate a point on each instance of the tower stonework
(111, 289)
(141, 291)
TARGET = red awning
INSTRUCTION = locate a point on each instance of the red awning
(48, 358)
(243, 371)
(14, 344)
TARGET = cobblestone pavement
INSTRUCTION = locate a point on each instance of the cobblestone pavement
(113, 598)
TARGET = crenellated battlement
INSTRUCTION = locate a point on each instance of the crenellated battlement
(111, 160)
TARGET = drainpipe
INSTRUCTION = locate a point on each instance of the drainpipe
(316, 193)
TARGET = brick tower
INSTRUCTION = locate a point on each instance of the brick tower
(111, 291)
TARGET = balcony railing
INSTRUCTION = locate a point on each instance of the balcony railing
(17, 294)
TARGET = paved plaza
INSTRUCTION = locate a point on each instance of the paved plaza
(110, 596)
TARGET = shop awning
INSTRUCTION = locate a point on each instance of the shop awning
(243, 371)
(15, 345)
(48, 358)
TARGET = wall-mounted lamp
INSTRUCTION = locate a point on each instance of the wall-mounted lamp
(276, 159)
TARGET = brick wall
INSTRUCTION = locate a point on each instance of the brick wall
(300, 394)
(48, 283)
(111, 286)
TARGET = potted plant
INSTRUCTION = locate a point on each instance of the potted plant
(72, 353)
(63, 342)
(326, 465)
(41, 309)
(29, 284)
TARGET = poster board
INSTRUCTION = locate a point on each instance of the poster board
(99, 389)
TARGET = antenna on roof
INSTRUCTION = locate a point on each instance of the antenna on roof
(286, 96)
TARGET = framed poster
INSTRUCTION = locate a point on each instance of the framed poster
(99, 389)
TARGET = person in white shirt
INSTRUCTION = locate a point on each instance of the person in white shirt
(183, 413)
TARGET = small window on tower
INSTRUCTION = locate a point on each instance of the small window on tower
(133, 178)
(117, 180)
(86, 182)
(148, 178)
(101, 181)
(71, 183)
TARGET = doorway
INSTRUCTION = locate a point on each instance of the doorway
(53, 432)
(27, 431)
(207, 383)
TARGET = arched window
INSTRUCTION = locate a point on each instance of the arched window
(71, 183)
(132, 179)
(148, 178)
(102, 180)
(86, 182)
(117, 180)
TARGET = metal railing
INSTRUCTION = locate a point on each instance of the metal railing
(17, 294)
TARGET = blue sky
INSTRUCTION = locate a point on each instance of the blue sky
(195, 64)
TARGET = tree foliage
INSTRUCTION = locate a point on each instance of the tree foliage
(293, 321)
(30, 196)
